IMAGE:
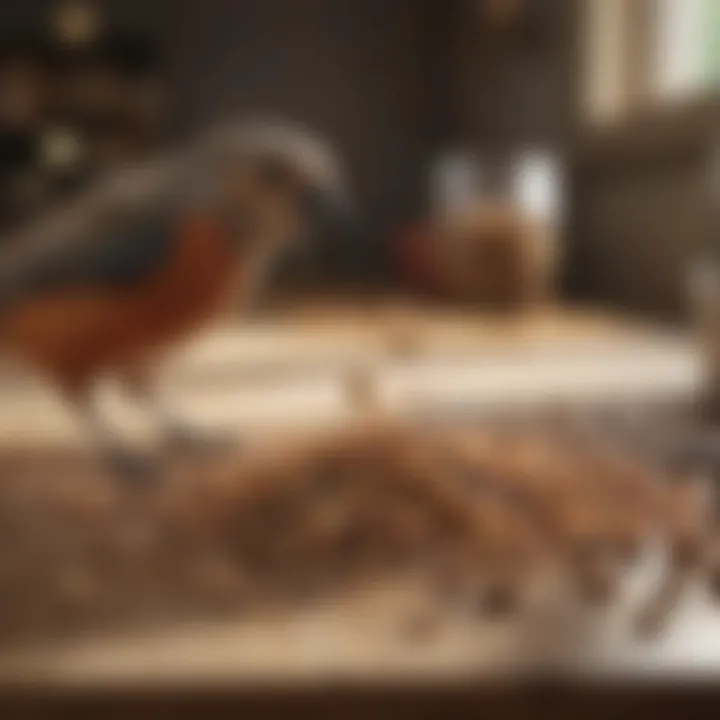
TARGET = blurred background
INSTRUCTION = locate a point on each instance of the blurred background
(534, 181)
(619, 93)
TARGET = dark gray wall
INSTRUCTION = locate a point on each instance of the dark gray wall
(363, 73)
(524, 93)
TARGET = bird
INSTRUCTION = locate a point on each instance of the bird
(109, 283)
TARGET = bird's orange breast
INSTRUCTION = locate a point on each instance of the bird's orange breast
(74, 334)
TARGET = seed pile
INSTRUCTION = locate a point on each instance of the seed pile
(478, 514)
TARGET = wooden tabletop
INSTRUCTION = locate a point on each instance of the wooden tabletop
(291, 371)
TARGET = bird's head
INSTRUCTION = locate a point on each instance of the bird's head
(273, 187)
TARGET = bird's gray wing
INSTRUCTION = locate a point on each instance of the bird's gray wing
(113, 236)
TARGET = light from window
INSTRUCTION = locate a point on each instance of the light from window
(641, 51)
(678, 49)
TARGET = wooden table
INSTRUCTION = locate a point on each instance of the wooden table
(290, 373)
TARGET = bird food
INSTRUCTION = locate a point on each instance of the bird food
(478, 515)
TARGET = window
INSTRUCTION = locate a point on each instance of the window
(685, 47)
(644, 52)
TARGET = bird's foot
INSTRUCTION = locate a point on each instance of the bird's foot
(132, 467)
(187, 439)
